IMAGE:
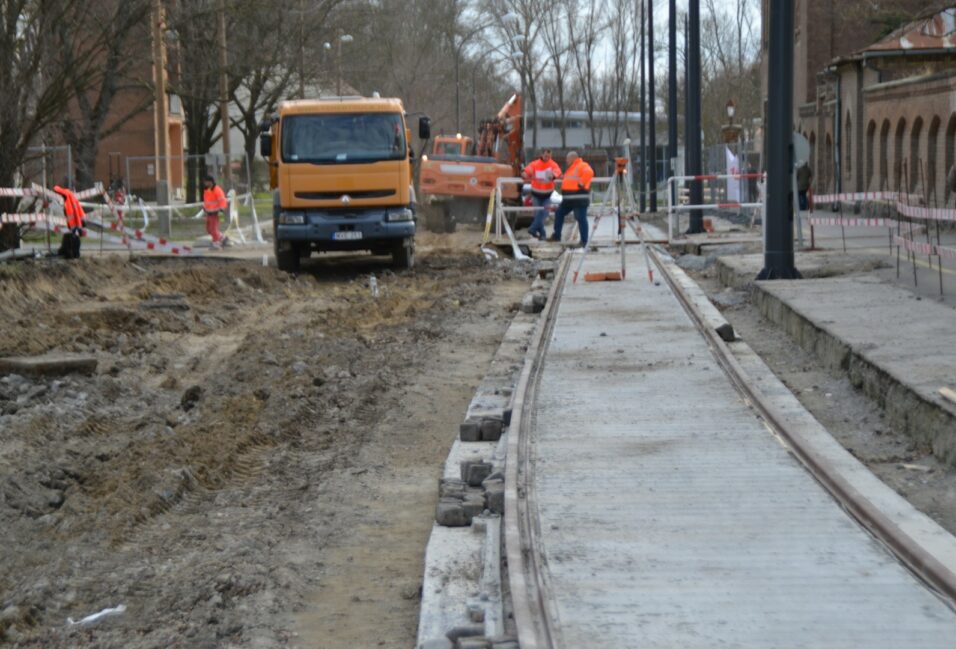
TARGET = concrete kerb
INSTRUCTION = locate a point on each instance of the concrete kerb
(926, 418)
(931, 423)
(463, 594)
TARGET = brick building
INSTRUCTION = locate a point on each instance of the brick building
(878, 108)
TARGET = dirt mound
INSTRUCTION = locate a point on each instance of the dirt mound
(178, 479)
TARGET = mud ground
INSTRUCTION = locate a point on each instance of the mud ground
(852, 418)
(253, 464)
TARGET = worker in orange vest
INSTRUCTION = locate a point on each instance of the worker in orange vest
(75, 216)
(541, 174)
(575, 196)
(214, 203)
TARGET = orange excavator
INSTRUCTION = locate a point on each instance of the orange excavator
(460, 174)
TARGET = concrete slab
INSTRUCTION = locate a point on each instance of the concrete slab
(741, 270)
(48, 365)
(898, 348)
(671, 517)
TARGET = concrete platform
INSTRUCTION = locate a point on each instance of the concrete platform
(896, 346)
(671, 516)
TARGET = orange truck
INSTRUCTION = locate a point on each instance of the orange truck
(459, 175)
(341, 175)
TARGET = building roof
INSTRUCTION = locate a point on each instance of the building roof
(935, 30)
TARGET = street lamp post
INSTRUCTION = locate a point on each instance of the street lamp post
(343, 38)
(731, 131)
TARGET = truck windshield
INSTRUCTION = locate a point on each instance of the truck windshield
(343, 138)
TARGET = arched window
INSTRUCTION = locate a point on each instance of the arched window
(848, 155)
(948, 153)
(884, 182)
(897, 180)
(870, 154)
(932, 156)
(916, 164)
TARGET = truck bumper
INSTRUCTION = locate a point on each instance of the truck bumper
(357, 230)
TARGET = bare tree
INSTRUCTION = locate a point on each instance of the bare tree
(38, 84)
(111, 28)
(558, 46)
(585, 30)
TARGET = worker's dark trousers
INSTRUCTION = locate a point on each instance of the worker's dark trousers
(580, 208)
(70, 248)
(541, 204)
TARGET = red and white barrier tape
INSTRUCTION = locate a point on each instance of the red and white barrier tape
(924, 248)
(854, 223)
(25, 218)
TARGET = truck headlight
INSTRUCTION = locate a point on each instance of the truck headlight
(292, 218)
(403, 214)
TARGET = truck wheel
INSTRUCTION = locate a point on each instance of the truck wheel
(403, 254)
(9, 237)
(287, 259)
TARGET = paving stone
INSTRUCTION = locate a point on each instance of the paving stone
(473, 507)
(491, 430)
(726, 332)
(530, 305)
(495, 495)
(473, 643)
(473, 472)
(451, 488)
(455, 634)
(439, 643)
(470, 431)
(451, 513)
(504, 643)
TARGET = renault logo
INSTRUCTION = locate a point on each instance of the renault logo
(346, 199)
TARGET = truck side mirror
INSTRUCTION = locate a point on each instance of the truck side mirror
(424, 128)
(265, 145)
(265, 125)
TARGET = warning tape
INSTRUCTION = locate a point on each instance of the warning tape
(26, 218)
(902, 201)
(854, 223)
(924, 248)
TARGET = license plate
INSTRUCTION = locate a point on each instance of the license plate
(346, 236)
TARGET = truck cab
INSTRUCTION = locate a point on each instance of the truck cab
(341, 175)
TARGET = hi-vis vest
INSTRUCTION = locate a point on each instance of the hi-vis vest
(214, 199)
(71, 208)
(577, 178)
(541, 180)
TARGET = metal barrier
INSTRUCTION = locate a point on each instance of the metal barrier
(674, 210)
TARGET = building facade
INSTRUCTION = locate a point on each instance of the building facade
(879, 109)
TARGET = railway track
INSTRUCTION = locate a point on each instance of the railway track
(543, 615)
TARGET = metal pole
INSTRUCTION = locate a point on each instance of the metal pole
(474, 101)
(651, 104)
(69, 166)
(224, 94)
(457, 91)
(778, 229)
(643, 175)
(692, 137)
(672, 95)
(162, 118)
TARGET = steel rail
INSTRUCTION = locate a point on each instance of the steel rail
(910, 552)
(535, 620)
(537, 623)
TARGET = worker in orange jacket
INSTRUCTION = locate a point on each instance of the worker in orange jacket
(541, 174)
(214, 204)
(575, 196)
(75, 216)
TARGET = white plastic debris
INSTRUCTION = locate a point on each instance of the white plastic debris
(96, 617)
(373, 285)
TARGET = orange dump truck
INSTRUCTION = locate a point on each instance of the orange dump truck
(341, 175)
(460, 174)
